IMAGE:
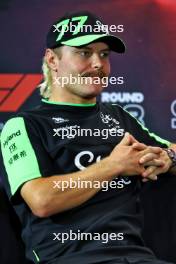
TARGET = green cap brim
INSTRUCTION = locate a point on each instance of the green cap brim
(114, 43)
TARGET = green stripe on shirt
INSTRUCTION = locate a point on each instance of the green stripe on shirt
(156, 137)
(153, 135)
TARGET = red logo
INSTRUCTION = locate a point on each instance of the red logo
(15, 89)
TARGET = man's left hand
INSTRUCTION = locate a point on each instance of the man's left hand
(156, 166)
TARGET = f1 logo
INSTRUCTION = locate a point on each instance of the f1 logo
(15, 89)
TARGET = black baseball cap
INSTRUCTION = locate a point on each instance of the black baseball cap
(79, 29)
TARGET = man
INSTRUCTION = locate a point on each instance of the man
(75, 166)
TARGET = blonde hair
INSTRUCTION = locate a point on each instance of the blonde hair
(46, 86)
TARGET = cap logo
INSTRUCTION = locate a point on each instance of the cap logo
(63, 27)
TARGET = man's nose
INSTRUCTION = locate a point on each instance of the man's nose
(97, 62)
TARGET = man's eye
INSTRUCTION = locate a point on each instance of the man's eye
(84, 53)
(104, 54)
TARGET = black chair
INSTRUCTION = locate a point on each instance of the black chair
(159, 203)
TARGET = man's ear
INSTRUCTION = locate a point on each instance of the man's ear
(52, 59)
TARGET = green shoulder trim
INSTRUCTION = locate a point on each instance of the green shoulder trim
(156, 137)
(18, 154)
(36, 256)
(152, 135)
(70, 104)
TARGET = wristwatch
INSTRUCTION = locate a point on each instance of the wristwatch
(172, 155)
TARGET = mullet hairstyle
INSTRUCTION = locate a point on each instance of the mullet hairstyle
(46, 85)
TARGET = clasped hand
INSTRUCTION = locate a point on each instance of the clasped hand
(154, 163)
(131, 157)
